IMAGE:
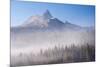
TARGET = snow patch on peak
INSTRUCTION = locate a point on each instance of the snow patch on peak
(37, 21)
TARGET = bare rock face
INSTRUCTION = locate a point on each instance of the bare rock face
(47, 15)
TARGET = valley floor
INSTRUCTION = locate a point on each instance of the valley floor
(83, 53)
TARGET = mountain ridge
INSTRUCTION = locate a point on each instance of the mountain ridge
(46, 21)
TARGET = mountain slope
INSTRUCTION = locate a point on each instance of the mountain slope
(45, 22)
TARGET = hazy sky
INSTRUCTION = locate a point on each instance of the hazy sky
(82, 15)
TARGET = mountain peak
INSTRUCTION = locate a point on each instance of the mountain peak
(47, 14)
